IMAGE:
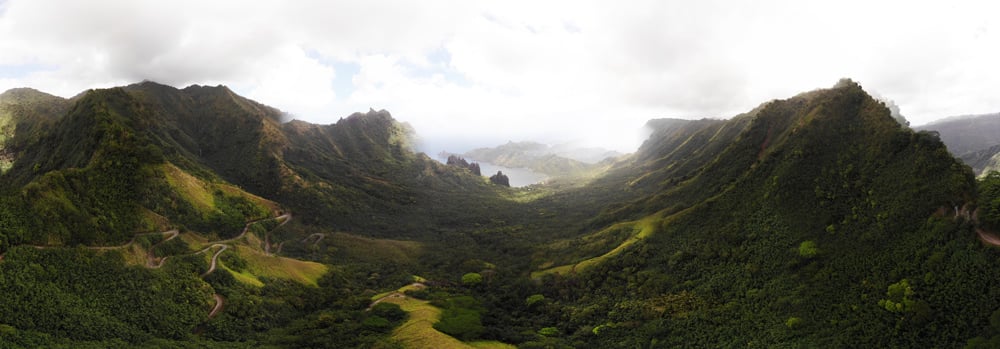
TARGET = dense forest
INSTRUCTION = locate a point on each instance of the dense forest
(150, 216)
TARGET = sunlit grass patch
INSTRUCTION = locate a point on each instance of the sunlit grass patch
(135, 255)
(195, 241)
(644, 228)
(231, 190)
(418, 330)
(491, 345)
(192, 189)
(243, 277)
(307, 273)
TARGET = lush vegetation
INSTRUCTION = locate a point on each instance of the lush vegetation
(83, 295)
(989, 201)
(815, 221)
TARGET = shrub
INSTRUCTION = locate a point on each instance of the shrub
(376, 323)
(793, 322)
(534, 299)
(472, 279)
(808, 249)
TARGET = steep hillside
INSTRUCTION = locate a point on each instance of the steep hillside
(983, 160)
(98, 176)
(975, 139)
(800, 223)
(183, 190)
(965, 134)
(341, 174)
(24, 113)
(150, 216)
(357, 174)
(361, 174)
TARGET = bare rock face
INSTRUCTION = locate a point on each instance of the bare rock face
(500, 179)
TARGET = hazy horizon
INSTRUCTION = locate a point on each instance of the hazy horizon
(479, 75)
(460, 143)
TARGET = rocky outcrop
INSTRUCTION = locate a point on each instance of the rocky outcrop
(454, 160)
(555, 161)
(500, 179)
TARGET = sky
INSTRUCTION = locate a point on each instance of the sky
(467, 74)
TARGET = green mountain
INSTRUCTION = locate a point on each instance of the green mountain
(97, 183)
(24, 113)
(964, 134)
(815, 221)
(150, 216)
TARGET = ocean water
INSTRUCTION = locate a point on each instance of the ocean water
(519, 177)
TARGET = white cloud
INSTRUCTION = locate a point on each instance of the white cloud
(291, 79)
(489, 72)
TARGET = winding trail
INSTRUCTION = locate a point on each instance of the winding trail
(988, 237)
(287, 217)
(215, 257)
(218, 305)
(172, 234)
(319, 237)
(154, 262)
(221, 244)
(267, 236)
(158, 264)
(398, 294)
(151, 260)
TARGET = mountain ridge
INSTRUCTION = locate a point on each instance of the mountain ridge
(815, 220)
(972, 138)
(822, 171)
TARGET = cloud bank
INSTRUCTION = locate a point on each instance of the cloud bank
(470, 73)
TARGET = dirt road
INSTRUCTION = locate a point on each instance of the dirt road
(215, 258)
(218, 305)
(988, 237)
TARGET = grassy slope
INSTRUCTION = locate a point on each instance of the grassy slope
(188, 191)
(418, 330)
(830, 167)
(259, 264)
(643, 229)
(365, 248)
(193, 190)
(753, 168)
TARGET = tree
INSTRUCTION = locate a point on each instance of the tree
(793, 322)
(808, 249)
(989, 200)
(472, 279)
(389, 311)
(534, 299)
